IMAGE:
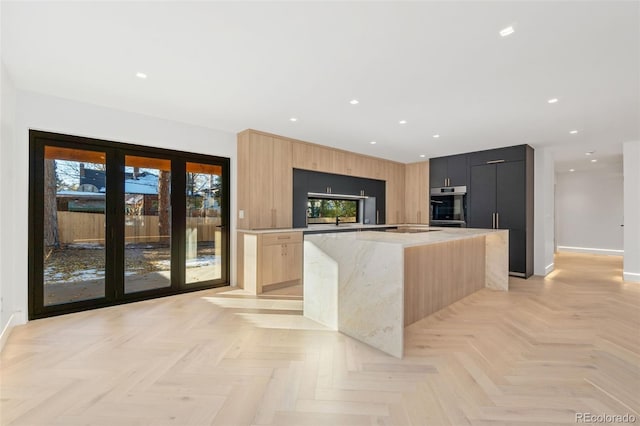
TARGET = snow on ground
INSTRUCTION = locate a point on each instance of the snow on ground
(53, 277)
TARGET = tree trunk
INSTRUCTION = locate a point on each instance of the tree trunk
(164, 203)
(51, 238)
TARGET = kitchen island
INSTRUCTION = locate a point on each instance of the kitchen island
(370, 285)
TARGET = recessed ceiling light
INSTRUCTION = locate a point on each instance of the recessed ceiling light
(573, 132)
(293, 119)
(552, 100)
(141, 75)
(402, 121)
(507, 31)
(594, 161)
(422, 155)
(354, 102)
(436, 136)
(373, 142)
(572, 170)
(589, 153)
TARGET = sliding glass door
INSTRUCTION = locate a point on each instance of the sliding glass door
(112, 223)
(203, 238)
(147, 223)
(73, 226)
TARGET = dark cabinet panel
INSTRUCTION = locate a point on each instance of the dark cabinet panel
(518, 251)
(457, 167)
(438, 172)
(482, 197)
(512, 153)
(501, 196)
(511, 195)
(305, 181)
(448, 171)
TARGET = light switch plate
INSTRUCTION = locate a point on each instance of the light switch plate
(240, 214)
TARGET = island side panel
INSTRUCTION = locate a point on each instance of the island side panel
(370, 295)
(497, 263)
(320, 283)
(437, 275)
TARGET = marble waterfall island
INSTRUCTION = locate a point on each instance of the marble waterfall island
(370, 285)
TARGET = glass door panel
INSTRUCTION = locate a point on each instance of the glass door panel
(203, 223)
(147, 223)
(74, 208)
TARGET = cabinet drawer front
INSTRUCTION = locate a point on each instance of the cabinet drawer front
(281, 238)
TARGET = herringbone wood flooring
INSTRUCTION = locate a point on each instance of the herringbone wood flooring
(548, 349)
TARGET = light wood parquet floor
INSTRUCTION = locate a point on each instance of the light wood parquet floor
(548, 349)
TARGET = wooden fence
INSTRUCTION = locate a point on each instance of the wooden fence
(75, 227)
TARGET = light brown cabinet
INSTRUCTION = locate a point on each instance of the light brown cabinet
(265, 181)
(311, 157)
(394, 176)
(281, 258)
(269, 261)
(308, 156)
(265, 178)
(416, 194)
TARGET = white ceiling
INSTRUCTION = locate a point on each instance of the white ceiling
(442, 66)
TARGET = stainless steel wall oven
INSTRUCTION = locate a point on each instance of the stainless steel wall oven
(449, 206)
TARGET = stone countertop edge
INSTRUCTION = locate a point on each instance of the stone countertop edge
(332, 228)
(410, 240)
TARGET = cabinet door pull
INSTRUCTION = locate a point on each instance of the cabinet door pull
(284, 238)
(493, 221)
(495, 161)
(497, 220)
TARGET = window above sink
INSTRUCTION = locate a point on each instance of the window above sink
(327, 210)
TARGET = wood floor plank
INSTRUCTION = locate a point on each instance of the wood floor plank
(537, 355)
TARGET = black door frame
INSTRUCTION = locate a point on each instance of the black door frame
(114, 216)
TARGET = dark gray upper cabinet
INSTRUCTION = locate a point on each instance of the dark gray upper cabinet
(500, 155)
(305, 181)
(501, 197)
(448, 171)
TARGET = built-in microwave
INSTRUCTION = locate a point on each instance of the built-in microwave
(448, 206)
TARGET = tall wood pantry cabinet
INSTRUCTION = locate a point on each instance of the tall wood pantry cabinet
(265, 181)
(416, 193)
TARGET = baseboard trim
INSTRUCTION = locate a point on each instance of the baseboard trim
(549, 269)
(591, 250)
(6, 331)
(631, 276)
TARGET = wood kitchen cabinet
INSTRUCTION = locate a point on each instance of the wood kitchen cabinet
(416, 195)
(267, 261)
(280, 258)
(501, 197)
(264, 181)
(309, 156)
(394, 176)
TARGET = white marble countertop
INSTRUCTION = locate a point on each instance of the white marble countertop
(437, 235)
(331, 227)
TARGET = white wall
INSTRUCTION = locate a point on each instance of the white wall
(590, 211)
(543, 220)
(8, 303)
(40, 112)
(631, 153)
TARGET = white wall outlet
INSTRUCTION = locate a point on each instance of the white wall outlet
(240, 214)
